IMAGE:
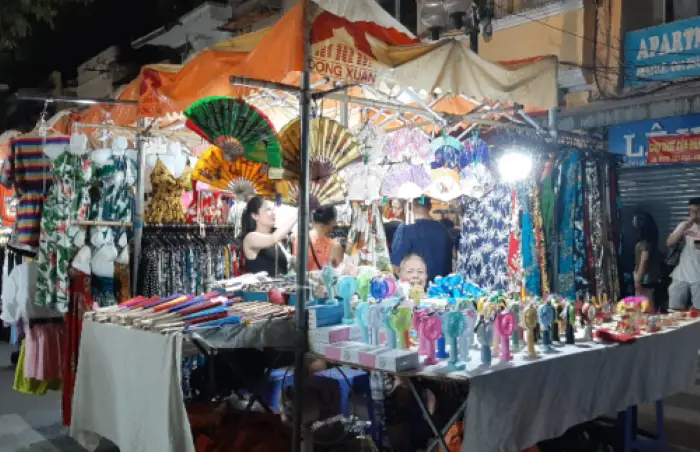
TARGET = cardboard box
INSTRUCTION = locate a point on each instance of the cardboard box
(330, 334)
(395, 360)
(335, 351)
(368, 358)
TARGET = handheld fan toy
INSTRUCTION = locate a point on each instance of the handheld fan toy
(364, 283)
(416, 294)
(484, 333)
(238, 128)
(545, 315)
(331, 148)
(243, 178)
(401, 323)
(422, 340)
(361, 318)
(379, 288)
(327, 192)
(374, 322)
(328, 277)
(431, 330)
(347, 286)
(387, 314)
(441, 344)
(588, 313)
(505, 325)
(392, 284)
(466, 340)
(453, 329)
(529, 322)
(405, 182)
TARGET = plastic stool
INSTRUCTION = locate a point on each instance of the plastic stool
(274, 386)
(629, 424)
(357, 379)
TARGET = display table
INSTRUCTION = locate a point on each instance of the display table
(514, 406)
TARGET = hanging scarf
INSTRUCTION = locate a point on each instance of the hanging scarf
(595, 215)
(580, 256)
(567, 199)
(540, 244)
(515, 256)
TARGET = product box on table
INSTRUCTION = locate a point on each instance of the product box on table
(331, 334)
(395, 360)
(321, 315)
(336, 351)
(368, 357)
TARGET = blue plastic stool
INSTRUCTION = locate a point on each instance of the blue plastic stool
(274, 386)
(628, 419)
(357, 379)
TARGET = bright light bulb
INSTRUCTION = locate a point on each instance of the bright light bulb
(514, 166)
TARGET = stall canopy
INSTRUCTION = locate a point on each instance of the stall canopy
(357, 43)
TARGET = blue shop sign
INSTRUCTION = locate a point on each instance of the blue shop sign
(663, 53)
(632, 139)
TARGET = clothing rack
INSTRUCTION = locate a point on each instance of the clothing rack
(114, 224)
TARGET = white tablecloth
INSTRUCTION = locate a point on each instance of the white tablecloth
(128, 390)
(514, 406)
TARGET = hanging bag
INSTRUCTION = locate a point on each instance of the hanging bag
(674, 255)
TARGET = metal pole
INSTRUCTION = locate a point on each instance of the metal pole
(139, 206)
(302, 234)
(474, 39)
(73, 100)
(552, 122)
(397, 10)
(344, 111)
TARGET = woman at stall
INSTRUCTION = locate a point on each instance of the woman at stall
(261, 241)
(323, 250)
(647, 258)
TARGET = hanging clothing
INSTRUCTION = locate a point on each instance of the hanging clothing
(206, 207)
(28, 170)
(80, 303)
(515, 255)
(31, 386)
(68, 200)
(366, 243)
(540, 244)
(165, 205)
(580, 247)
(483, 247)
(531, 267)
(43, 351)
(19, 295)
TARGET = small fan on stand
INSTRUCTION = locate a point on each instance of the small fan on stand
(454, 328)
(238, 128)
(243, 178)
(331, 148)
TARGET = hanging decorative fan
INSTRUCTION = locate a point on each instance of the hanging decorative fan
(321, 193)
(476, 180)
(331, 148)
(477, 150)
(448, 153)
(372, 140)
(445, 185)
(243, 178)
(238, 128)
(364, 181)
(408, 145)
(405, 181)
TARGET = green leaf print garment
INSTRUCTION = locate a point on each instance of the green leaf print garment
(68, 200)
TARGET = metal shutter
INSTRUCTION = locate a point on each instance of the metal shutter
(662, 190)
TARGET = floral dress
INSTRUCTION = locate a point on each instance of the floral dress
(68, 200)
(366, 238)
(166, 204)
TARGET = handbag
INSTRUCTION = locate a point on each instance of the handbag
(313, 254)
(674, 255)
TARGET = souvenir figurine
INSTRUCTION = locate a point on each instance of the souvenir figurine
(545, 314)
(490, 312)
(515, 337)
(558, 325)
(570, 319)
(484, 333)
(529, 323)
(588, 313)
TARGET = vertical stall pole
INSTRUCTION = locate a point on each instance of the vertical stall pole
(303, 234)
(139, 207)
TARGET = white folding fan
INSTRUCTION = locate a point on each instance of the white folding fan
(445, 185)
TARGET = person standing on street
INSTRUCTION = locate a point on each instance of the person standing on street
(686, 276)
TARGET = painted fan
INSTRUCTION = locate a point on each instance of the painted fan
(476, 180)
(445, 185)
(329, 191)
(238, 128)
(243, 178)
(408, 145)
(364, 181)
(331, 148)
(405, 181)
(448, 153)
(372, 140)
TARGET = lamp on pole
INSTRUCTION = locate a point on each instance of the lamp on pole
(474, 16)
